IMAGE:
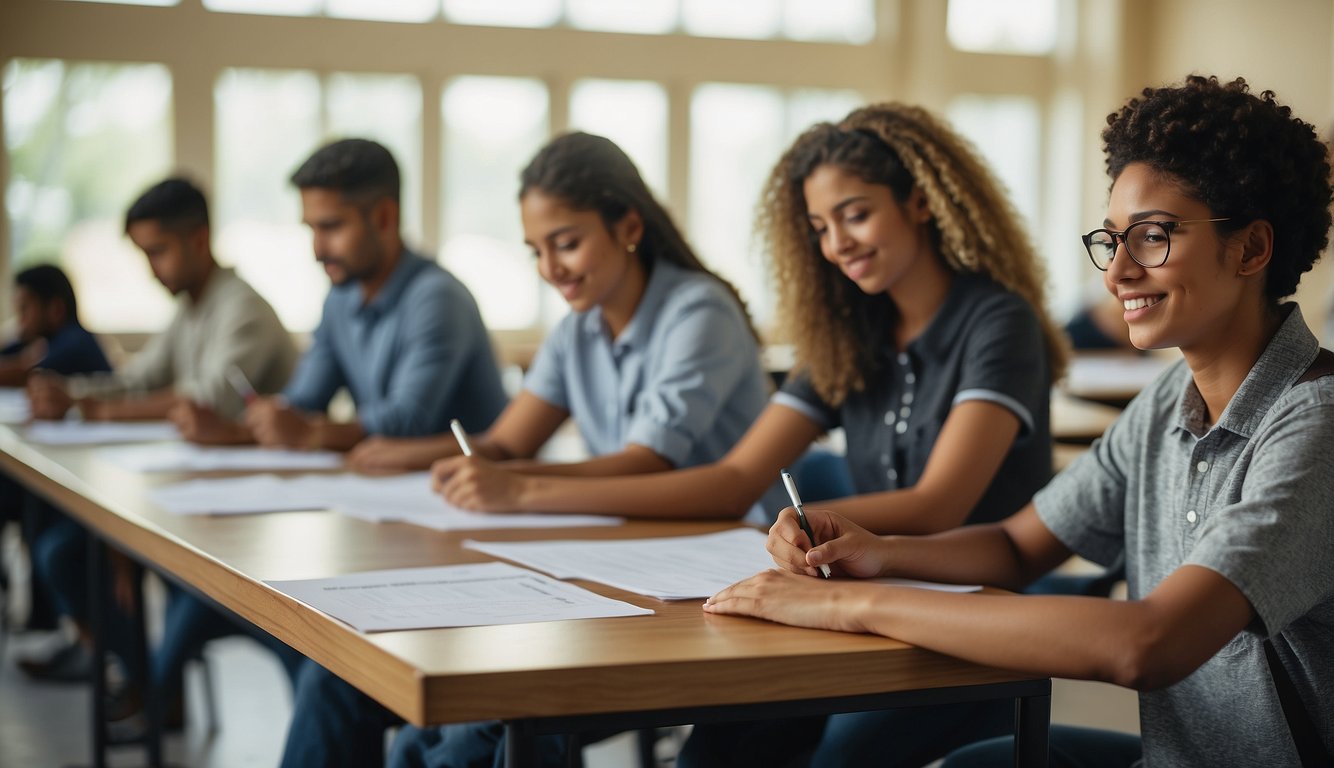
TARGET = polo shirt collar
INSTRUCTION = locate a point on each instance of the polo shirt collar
(1285, 358)
(394, 287)
(661, 279)
(942, 333)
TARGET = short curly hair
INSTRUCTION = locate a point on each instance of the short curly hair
(1244, 156)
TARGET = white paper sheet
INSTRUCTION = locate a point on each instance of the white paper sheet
(398, 498)
(451, 596)
(409, 499)
(1129, 373)
(185, 457)
(234, 496)
(673, 568)
(14, 407)
(99, 432)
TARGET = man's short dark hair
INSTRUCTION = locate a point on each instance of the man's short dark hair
(362, 170)
(175, 204)
(46, 283)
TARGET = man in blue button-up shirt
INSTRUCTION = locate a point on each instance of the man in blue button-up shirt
(401, 334)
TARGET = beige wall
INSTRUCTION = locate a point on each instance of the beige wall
(1286, 46)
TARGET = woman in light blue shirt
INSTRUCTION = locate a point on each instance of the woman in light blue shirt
(657, 363)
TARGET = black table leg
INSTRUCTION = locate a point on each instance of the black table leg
(1032, 723)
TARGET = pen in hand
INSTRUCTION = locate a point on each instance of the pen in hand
(461, 436)
(236, 377)
(791, 487)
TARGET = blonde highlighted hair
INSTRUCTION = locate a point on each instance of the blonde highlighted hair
(836, 328)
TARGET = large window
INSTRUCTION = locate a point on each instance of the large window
(737, 133)
(257, 212)
(493, 125)
(83, 140)
(703, 96)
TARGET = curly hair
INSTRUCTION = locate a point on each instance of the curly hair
(1244, 156)
(837, 329)
(591, 173)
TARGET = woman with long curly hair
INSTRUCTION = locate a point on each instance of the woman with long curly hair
(1215, 485)
(915, 304)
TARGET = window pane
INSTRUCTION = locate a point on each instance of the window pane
(510, 13)
(256, 212)
(734, 18)
(736, 136)
(380, 10)
(631, 113)
(387, 109)
(809, 106)
(837, 21)
(492, 128)
(1015, 26)
(643, 16)
(83, 140)
(1007, 130)
(268, 7)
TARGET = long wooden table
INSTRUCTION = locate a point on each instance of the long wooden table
(679, 665)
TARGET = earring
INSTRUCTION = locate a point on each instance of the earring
(632, 247)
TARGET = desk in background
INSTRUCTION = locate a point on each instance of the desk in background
(677, 666)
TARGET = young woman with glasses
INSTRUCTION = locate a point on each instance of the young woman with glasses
(1216, 484)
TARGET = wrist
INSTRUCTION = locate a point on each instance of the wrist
(887, 555)
(315, 438)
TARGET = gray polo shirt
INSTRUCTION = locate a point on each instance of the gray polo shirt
(984, 343)
(1252, 498)
(682, 379)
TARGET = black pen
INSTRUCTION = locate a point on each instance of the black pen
(791, 487)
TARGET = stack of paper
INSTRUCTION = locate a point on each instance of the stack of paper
(451, 596)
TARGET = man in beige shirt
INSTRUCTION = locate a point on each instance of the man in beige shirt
(220, 323)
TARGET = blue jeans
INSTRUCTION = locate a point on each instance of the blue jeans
(908, 737)
(466, 745)
(1071, 747)
(60, 563)
(334, 724)
(190, 622)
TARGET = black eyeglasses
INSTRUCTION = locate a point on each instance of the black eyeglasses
(1147, 242)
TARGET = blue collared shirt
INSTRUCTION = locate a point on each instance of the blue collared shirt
(683, 378)
(413, 358)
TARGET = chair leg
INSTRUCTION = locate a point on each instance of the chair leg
(210, 694)
(647, 739)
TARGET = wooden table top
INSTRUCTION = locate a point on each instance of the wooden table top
(678, 657)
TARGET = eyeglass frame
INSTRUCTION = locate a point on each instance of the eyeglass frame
(1168, 226)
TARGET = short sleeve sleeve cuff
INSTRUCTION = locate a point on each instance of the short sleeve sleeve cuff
(1005, 401)
(672, 445)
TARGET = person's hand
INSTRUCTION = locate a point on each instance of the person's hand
(275, 424)
(48, 395)
(201, 424)
(791, 598)
(845, 547)
(382, 453)
(470, 482)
